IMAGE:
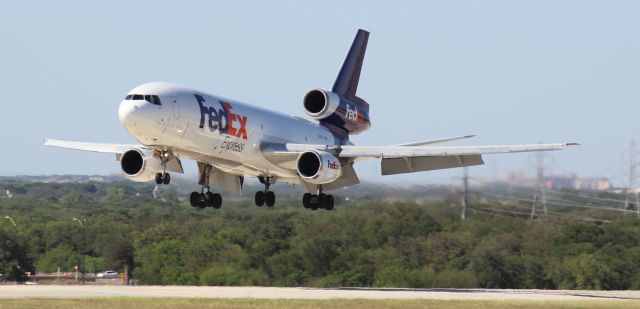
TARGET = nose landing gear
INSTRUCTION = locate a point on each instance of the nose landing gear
(165, 157)
(163, 178)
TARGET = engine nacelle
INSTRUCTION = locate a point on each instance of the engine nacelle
(320, 104)
(140, 166)
(318, 167)
(349, 114)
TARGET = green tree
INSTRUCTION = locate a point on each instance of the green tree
(62, 256)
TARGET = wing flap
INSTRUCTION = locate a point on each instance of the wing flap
(392, 166)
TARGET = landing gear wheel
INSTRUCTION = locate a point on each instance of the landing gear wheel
(322, 200)
(209, 198)
(260, 198)
(313, 206)
(270, 198)
(166, 179)
(194, 199)
(216, 200)
(306, 200)
(202, 203)
(329, 202)
(158, 178)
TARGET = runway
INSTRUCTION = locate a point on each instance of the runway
(89, 291)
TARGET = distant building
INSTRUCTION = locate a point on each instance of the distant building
(556, 182)
(560, 182)
(596, 184)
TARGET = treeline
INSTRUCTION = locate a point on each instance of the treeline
(360, 243)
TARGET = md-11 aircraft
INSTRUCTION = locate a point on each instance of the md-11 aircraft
(231, 140)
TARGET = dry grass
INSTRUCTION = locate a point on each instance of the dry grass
(184, 303)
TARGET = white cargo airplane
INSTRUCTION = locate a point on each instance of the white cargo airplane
(231, 140)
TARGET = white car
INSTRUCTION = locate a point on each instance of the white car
(108, 274)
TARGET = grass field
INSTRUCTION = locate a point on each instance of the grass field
(159, 303)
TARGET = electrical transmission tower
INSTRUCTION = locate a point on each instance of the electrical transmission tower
(465, 193)
(632, 191)
(540, 194)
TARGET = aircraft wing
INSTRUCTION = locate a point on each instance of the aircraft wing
(94, 147)
(349, 151)
(409, 159)
(437, 141)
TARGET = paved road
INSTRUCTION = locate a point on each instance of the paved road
(79, 291)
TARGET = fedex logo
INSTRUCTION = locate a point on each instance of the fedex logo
(352, 114)
(332, 165)
(234, 124)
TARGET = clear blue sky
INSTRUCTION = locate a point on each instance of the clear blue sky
(508, 71)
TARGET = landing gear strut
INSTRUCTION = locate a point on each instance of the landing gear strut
(204, 199)
(265, 197)
(321, 200)
(164, 177)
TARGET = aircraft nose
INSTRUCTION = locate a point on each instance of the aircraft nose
(128, 112)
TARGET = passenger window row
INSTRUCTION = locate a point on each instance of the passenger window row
(151, 98)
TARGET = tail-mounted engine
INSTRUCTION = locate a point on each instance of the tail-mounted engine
(350, 115)
(341, 108)
(318, 167)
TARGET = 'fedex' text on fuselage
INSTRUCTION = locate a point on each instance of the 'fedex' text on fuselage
(233, 124)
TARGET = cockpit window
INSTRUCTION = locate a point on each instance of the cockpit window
(151, 98)
(155, 100)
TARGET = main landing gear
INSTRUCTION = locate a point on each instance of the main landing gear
(321, 200)
(208, 199)
(204, 199)
(265, 197)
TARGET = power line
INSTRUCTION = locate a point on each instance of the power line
(586, 196)
(503, 211)
(565, 203)
(490, 213)
(581, 203)
(550, 213)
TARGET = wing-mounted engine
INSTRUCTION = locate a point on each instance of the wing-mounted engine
(318, 167)
(142, 165)
(350, 115)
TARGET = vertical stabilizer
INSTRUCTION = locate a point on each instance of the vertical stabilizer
(346, 83)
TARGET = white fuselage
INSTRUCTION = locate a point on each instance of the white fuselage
(222, 132)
